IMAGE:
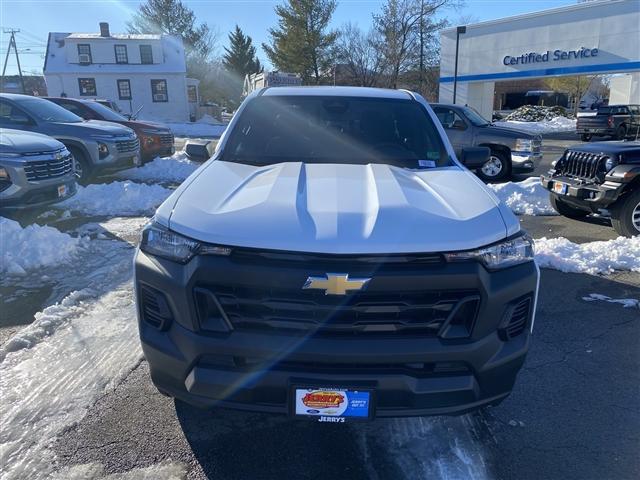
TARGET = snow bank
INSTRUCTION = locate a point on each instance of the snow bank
(558, 124)
(48, 388)
(35, 246)
(117, 198)
(625, 302)
(207, 126)
(170, 169)
(594, 257)
(528, 197)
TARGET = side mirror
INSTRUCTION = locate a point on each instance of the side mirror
(475, 157)
(200, 150)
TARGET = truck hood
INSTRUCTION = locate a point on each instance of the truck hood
(17, 141)
(331, 208)
(505, 132)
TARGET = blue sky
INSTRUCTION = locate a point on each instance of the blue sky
(35, 18)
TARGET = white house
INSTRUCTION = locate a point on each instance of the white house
(138, 72)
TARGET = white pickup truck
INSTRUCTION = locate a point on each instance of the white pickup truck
(335, 261)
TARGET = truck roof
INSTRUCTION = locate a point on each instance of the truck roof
(330, 91)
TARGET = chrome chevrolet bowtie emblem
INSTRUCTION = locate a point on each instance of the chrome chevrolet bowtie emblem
(335, 283)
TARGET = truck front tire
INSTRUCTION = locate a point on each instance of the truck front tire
(586, 137)
(625, 215)
(497, 168)
(621, 132)
(83, 170)
(565, 209)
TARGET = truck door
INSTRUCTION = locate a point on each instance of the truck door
(456, 128)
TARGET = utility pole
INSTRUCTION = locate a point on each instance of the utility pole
(12, 44)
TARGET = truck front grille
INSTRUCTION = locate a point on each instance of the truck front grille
(427, 313)
(126, 146)
(166, 139)
(583, 165)
(45, 169)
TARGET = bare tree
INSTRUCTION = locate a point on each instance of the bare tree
(406, 30)
(357, 51)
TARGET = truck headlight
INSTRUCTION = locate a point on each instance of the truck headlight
(610, 163)
(501, 255)
(162, 242)
(103, 150)
(524, 145)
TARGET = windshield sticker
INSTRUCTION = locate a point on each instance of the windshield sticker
(426, 164)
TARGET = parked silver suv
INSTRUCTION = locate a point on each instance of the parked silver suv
(98, 147)
(34, 170)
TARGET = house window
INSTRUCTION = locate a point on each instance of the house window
(192, 93)
(87, 87)
(124, 89)
(146, 54)
(84, 53)
(159, 91)
(121, 54)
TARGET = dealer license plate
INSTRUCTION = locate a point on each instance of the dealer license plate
(333, 404)
(62, 191)
(561, 188)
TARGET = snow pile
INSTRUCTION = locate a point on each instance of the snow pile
(170, 169)
(117, 198)
(555, 125)
(537, 113)
(49, 387)
(528, 197)
(625, 302)
(594, 257)
(207, 126)
(35, 246)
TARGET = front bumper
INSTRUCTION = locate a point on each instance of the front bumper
(588, 196)
(123, 154)
(410, 374)
(524, 162)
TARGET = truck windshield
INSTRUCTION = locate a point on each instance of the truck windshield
(475, 118)
(351, 130)
(48, 111)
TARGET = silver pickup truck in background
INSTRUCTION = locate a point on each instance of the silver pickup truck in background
(512, 151)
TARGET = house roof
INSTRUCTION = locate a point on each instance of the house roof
(117, 36)
(56, 56)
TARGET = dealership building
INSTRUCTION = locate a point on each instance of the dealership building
(592, 38)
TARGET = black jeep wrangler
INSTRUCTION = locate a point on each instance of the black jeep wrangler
(602, 177)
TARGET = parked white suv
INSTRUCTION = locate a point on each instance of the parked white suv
(334, 260)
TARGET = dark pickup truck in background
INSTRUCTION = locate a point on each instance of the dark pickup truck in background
(512, 151)
(617, 121)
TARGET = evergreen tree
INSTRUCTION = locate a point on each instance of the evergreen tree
(240, 57)
(301, 43)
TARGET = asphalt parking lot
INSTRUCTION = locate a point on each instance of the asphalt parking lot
(574, 413)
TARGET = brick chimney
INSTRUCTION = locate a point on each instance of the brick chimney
(104, 29)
